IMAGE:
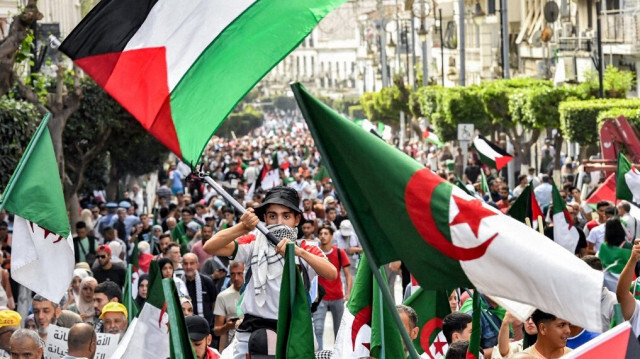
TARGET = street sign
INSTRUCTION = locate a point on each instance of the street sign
(465, 131)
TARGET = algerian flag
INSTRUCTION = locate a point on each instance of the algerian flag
(628, 180)
(473, 350)
(42, 247)
(367, 321)
(429, 135)
(449, 239)
(135, 270)
(127, 295)
(180, 344)
(490, 154)
(431, 306)
(295, 333)
(564, 232)
(179, 67)
(147, 336)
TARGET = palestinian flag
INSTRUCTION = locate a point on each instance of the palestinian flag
(42, 247)
(490, 154)
(430, 136)
(431, 306)
(628, 180)
(295, 332)
(617, 343)
(180, 344)
(473, 350)
(180, 67)
(526, 206)
(127, 295)
(449, 239)
(147, 335)
(564, 232)
(366, 322)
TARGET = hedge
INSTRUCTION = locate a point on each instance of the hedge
(632, 115)
(579, 119)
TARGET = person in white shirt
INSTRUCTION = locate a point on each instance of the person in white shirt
(631, 224)
(596, 236)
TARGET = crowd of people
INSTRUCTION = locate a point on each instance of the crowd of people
(227, 273)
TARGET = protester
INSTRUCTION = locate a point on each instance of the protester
(200, 288)
(106, 292)
(25, 343)
(200, 337)
(456, 326)
(281, 213)
(166, 270)
(81, 342)
(9, 323)
(173, 253)
(84, 245)
(187, 306)
(143, 287)
(225, 311)
(458, 350)
(84, 305)
(334, 296)
(614, 252)
(106, 270)
(553, 333)
(114, 316)
(73, 294)
(524, 334)
(45, 313)
(409, 319)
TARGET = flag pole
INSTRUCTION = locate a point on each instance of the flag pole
(386, 294)
(216, 187)
(383, 354)
(25, 157)
(615, 200)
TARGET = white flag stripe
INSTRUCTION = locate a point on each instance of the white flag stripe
(532, 269)
(633, 182)
(563, 235)
(44, 265)
(150, 333)
(344, 347)
(170, 20)
(482, 147)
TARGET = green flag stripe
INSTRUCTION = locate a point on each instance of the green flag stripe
(180, 344)
(35, 187)
(622, 189)
(234, 62)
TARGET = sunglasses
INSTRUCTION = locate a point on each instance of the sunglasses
(102, 256)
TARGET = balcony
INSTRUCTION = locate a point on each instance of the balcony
(621, 27)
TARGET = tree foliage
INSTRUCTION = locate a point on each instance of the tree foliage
(240, 123)
(18, 122)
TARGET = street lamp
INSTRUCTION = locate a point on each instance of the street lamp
(423, 9)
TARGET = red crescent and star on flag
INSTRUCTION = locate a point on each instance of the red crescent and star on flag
(419, 198)
(425, 338)
(47, 232)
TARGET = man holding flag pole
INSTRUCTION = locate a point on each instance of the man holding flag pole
(281, 213)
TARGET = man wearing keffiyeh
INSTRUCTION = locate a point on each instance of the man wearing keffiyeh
(281, 213)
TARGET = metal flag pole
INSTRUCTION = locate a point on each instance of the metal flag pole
(216, 187)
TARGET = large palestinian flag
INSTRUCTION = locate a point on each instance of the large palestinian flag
(446, 238)
(179, 67)
(431, 306)
(490, 154)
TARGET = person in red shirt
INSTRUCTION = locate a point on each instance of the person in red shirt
(334, 297)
